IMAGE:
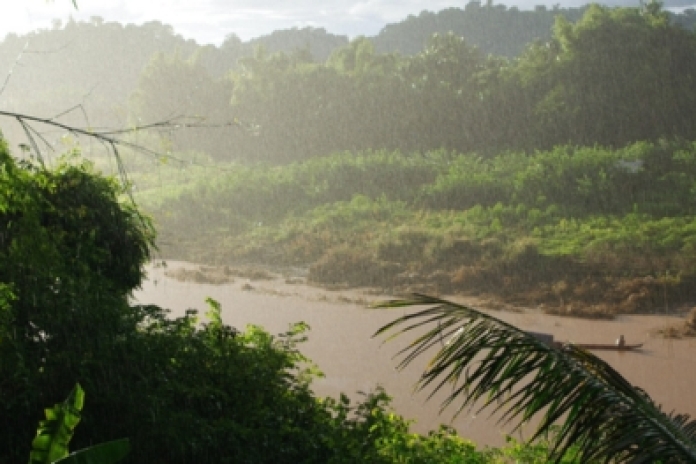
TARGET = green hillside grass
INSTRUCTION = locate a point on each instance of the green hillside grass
(586, 230)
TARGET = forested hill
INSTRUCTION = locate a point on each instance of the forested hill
(495, 30)
(396, 90)
(98, 63)
(317, 41)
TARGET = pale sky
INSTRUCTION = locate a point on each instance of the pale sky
(209, 21)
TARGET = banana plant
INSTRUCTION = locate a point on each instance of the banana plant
(581, 397)
(50, 445)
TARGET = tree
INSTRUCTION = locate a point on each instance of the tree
(170, 85)
(616, 76)
(181, 391)
(70, 254)
(447, 92)
(485, 358)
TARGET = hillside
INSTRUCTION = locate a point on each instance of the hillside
(580, 231)
(524, 177)
(495, 30)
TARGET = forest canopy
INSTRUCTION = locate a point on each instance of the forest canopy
(593, 75)
(614, 77)
(564, 157)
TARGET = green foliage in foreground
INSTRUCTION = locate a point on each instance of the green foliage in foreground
(600, 414)
(182, 390)
(54, 434)
(51, 442)
(70, 253)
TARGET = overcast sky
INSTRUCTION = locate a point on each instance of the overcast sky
(209, 21)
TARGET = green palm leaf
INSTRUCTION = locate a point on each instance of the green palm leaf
(54, 434)
(50, 446)
(485, 358)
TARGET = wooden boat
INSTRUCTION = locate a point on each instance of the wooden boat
(612, 347)
(548, 339)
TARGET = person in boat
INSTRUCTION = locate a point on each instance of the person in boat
(621, 342)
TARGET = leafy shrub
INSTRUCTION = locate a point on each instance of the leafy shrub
(70, 253)
(348, 265)
(51, 442)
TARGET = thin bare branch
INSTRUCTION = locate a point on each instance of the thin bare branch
(25, 51)
(11, 70)
(31, 140)
(110, 138)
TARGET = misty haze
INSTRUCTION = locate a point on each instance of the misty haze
(210, 241)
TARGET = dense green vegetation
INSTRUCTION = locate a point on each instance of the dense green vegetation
(51, 444)
(564, 176)
(180, 389)
(614, 77)
(494, 79)
(605, 229)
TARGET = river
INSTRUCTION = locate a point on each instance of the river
(341, 343)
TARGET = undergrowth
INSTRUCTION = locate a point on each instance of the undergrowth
(587, 225)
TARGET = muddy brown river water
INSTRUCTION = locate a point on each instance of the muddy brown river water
(341, 343)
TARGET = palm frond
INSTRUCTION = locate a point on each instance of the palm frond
(521, 376)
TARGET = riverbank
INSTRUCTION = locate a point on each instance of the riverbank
(571, 228)
(218, 275)
(341, 342)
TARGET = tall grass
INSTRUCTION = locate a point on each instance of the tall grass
(554, 215)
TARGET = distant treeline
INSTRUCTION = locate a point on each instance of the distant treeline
(502, 79)
(614, 77)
